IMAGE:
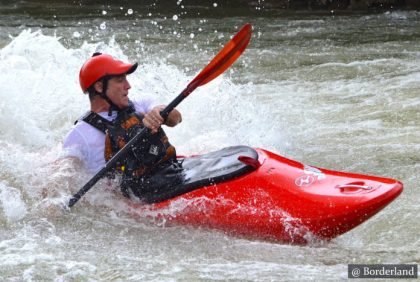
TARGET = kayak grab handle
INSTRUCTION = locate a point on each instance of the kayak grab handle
(355, 186)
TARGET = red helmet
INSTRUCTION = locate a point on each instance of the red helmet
(101, 65)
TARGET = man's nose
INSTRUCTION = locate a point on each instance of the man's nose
(127, 84)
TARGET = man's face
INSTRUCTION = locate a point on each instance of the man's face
(117, 90)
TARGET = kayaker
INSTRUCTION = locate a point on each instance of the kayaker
(113, 120)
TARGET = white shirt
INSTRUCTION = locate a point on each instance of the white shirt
(87, 143)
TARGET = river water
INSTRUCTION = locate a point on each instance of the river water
(333, 91)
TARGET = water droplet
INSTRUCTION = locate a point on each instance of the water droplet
(102, 26)
(76, 34)
(175, 17)
(130, 11)
(192, 35)
(215, 5)
(104, 13)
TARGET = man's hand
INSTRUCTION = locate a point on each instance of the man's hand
(153, 120)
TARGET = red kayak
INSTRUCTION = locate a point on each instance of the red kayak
(258, 194)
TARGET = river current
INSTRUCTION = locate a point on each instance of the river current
(333, 91)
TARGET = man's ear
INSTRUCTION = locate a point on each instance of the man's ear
(99, 86)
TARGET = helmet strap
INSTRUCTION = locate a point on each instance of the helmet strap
(112, 106)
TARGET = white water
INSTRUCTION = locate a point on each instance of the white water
(357, 113)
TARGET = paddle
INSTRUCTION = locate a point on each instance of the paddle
(224, 59)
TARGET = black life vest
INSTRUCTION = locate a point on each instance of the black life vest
(150, 152)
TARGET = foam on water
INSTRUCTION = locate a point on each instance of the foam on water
(14, 208)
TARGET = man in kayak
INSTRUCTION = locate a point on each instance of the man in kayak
(113, 120)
